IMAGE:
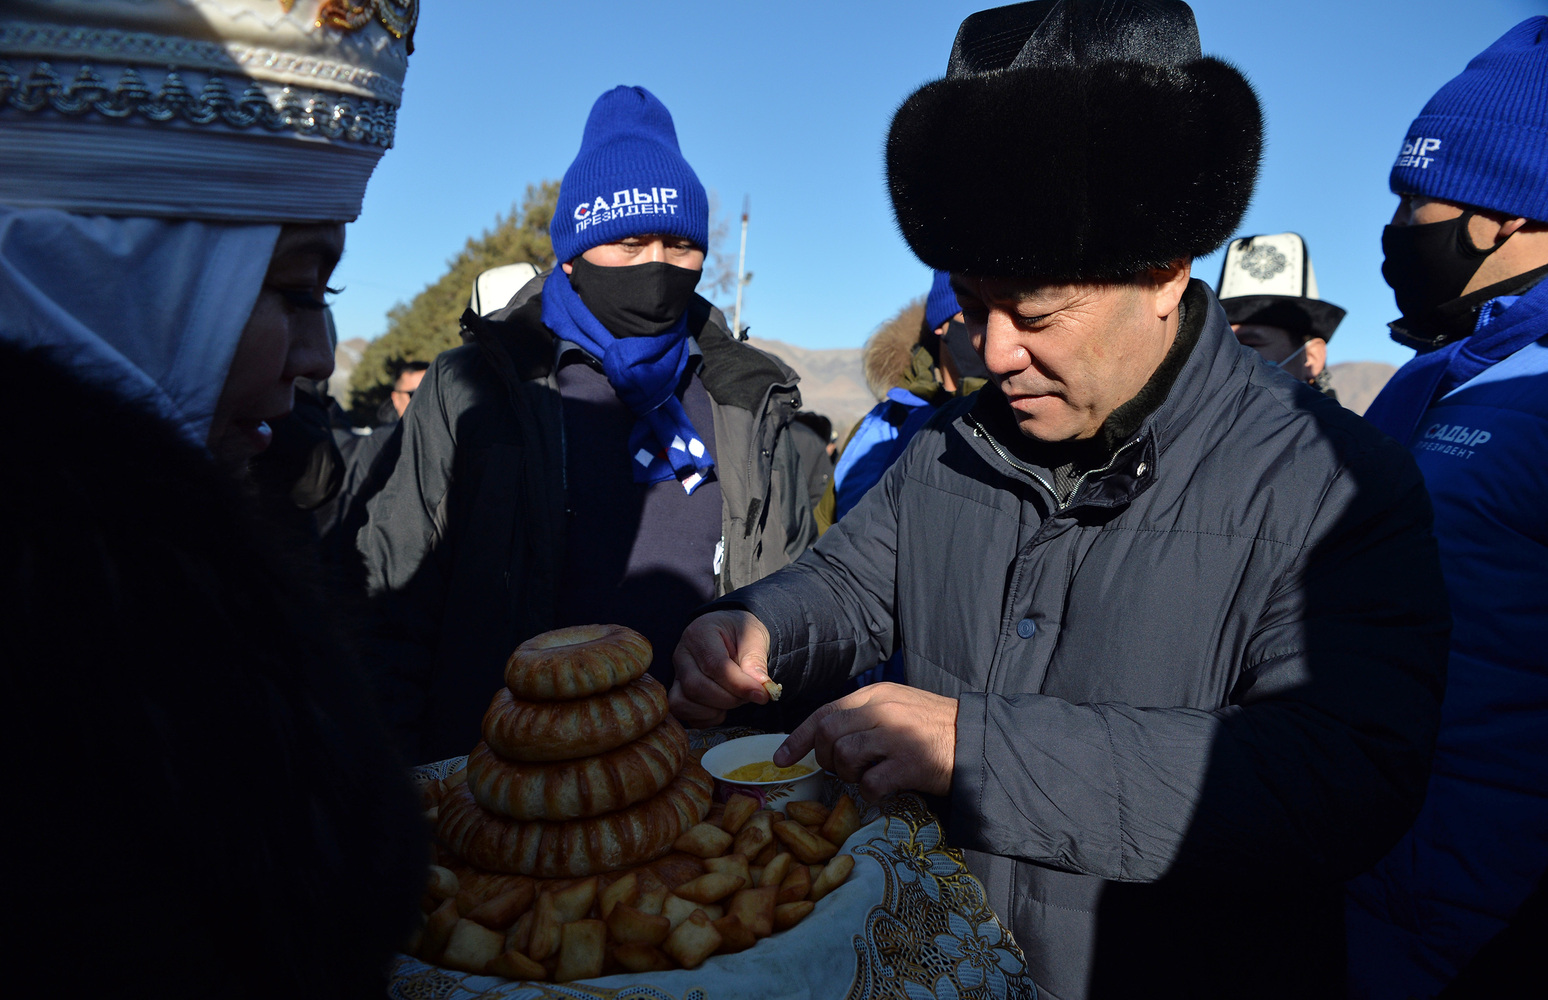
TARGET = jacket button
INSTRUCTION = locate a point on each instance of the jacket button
(1026, 627)
(1141, 469)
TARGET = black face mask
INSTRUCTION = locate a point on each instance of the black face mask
(1429, 265)
(959, 343)
(637, 300)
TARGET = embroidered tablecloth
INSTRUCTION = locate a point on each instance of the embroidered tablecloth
(911, 922)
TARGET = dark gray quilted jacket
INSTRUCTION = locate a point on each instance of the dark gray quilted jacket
(1192, 701)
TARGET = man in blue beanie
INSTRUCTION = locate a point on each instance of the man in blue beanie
(602, 450)
(1466, 255)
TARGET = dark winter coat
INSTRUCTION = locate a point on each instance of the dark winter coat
(1191, 700)
(206, 803)
(368, 465)
(463, 544)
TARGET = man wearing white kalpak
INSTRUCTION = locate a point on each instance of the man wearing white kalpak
(1172, 622)
(603, 449)
(1269, 293)
(201, 766)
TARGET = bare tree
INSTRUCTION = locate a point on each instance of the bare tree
(719, 281)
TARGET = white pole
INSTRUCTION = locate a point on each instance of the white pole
(741, 270)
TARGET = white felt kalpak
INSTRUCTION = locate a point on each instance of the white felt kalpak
(1276, 264)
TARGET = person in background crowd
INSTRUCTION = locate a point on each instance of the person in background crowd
(816, 449)
(206, 785)
(368, 470)
(603, 450)
(370, 460)
(932, 377)
(1466, 256)
(410, 374)
(1269, 292)
(1173, 624)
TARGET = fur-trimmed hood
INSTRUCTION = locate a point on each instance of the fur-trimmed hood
(888, 353)
(1074, 139)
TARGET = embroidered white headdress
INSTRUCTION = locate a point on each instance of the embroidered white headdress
(1269, 280)
(228, 110)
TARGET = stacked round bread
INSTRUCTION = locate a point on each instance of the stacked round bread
(581, 769)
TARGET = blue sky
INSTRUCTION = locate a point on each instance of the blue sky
(789, 103)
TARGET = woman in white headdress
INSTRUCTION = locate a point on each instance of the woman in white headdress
(209, 805)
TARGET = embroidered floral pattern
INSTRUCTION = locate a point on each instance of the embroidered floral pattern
(1263, 261)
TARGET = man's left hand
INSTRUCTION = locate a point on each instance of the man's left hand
(885, 737)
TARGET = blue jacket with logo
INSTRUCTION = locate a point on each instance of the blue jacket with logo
(1481, 842)
(878, 441)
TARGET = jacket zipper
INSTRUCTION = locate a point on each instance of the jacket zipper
(978, 431)
(1106, 468)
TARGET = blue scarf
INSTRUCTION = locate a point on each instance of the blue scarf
(644, 372)
(1505, 326)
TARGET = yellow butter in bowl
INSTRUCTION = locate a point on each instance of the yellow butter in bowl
(767, 770)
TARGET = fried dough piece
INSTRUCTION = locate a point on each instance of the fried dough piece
(630, 926)
(471, 947)
(704, 840)
(804, 844)
(501, 911)
(582, 947)
(694, 940)
(807, 813)
(842, 822)
(755, 909)
(833, 876)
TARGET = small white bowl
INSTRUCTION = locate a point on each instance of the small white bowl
(732, 754)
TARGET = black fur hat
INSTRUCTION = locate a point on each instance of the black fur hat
(1074, 139)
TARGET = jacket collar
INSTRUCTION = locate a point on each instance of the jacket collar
(519, 345)
(1216, 360)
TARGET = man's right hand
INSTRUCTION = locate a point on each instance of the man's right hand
(722, 661)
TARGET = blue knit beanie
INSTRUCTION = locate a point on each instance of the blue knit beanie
(1483, 138)
(628, 179)
(942, 303)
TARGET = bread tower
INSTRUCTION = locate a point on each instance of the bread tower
(581, 769)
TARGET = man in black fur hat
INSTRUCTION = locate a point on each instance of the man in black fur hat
(1173, 623)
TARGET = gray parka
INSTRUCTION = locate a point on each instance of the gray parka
(463, 544)
(1192, 700)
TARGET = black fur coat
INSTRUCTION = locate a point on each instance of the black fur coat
(207, 802)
